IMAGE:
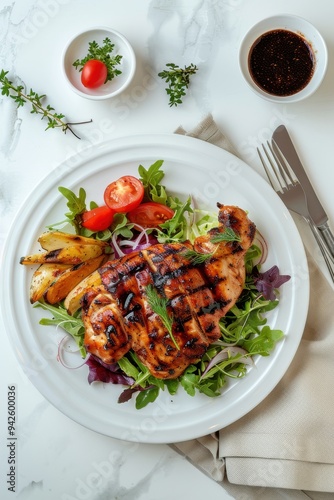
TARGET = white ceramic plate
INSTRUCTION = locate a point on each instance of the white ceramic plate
(209, 174)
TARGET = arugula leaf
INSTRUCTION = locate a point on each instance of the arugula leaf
(121, 226)
(253, 254)
(151, 179)
(189, 380)
(71, 324)
(147, 396)
(175, 228)
(128, 367)
(76, 205)
(172, 385)
(264, 342)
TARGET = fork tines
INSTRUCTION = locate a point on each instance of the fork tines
(283, 176)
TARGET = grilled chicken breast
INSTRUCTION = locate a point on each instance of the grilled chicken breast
(117, 314)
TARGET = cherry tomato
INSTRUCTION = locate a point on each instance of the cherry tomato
(94, 74)
(97, 219)
(125, 194)
(150, 214)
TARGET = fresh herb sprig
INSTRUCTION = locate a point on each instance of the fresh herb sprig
(55, 120)
(227, 235)
(102, 54)
(198, 258)
(178, 79)
(158, 305)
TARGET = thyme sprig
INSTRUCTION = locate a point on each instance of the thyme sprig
(55, 120)
(178, 79)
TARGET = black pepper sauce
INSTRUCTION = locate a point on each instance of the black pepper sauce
(281, 62)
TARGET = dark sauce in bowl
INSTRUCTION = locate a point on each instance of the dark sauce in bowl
(281, 62)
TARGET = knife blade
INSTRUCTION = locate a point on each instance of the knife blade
(283, 141)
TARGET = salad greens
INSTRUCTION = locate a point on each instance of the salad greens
(71, 324)
(244, 330)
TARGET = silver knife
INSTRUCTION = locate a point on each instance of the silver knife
(283, 140)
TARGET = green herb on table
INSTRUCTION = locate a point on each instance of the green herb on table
(55, 120)
(178, 79)
(95, 52)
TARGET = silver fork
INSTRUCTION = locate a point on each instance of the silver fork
(291, 193)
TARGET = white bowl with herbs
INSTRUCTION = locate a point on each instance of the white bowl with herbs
(98, 63)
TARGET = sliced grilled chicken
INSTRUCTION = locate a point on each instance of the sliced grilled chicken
(118, 316)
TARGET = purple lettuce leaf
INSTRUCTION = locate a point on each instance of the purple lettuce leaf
(108, 373)
(267, 282)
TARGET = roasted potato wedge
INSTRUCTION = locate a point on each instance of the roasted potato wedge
(43, 277)
(73, 300)
(68, 255)
(70, 278)
(52, 240)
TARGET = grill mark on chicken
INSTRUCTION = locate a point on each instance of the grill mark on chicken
(117, 315)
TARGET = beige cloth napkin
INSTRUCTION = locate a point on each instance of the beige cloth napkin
(287, 441)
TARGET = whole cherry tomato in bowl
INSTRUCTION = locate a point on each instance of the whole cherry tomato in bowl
(94, 74)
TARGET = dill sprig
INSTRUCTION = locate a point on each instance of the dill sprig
(227, 235)
(197, 258)
(158, 305)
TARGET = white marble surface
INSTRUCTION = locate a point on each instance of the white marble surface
(55, 457)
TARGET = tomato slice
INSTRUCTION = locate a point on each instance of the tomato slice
(94, 74)
(97, 219)
(150, 214)
(125, 194)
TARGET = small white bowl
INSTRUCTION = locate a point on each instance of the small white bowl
(77, 48)
(300, 27)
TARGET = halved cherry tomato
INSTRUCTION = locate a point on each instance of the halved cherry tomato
(97, 219)
(94, 74)
(125, 194)
(150, 214)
